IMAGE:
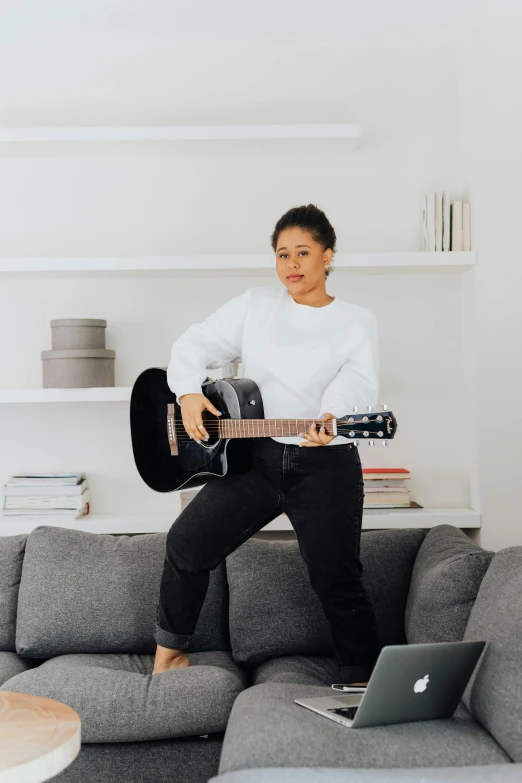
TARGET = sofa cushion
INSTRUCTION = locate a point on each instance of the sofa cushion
(91, 592)
(446, 577)
(11, 558)
(274, 610)
(267, 729)
(11, 664)
(305, 669)
(494, 693)
(119, 700)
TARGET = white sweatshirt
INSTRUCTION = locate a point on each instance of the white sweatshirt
(305, 360)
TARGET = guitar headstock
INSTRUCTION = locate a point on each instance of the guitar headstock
(369, 426)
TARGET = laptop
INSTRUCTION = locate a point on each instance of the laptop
(409, 682)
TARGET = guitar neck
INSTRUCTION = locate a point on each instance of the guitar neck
(266, 428)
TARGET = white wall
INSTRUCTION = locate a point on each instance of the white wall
(490, 160)
(395, 73)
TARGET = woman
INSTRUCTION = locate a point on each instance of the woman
(312, 356)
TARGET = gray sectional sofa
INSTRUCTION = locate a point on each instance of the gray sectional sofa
(77, 614)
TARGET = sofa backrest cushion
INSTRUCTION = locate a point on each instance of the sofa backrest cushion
(494, 693)
(12, 550)
(446, 577)
(93, 592)
(274, 610)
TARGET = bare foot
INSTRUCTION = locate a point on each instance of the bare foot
(167, 659)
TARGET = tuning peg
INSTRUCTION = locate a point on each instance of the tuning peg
(384, 407)
(356, 443)
(371, 443)
(385, 443)
(355, 409)
(369, 408)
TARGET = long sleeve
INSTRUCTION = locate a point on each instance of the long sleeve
(207, 345)
(357, 382)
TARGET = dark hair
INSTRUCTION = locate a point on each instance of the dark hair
(312, 219)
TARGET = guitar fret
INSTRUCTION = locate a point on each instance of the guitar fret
(259, 428)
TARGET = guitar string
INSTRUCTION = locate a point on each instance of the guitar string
(183, 435)
(180, 425)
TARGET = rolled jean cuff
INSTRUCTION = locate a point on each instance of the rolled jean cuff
(351, 674)
(174, 641)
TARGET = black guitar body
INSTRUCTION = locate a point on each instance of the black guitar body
(195, 464)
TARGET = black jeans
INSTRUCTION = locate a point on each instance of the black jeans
(321, 489)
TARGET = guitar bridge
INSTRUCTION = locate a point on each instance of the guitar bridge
(171, 430)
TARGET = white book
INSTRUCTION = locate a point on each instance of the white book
(446, 228)
(466, 225)
(29, 479)
(42, 517)
(456, 225)
(21, 490)
(388, 505)
(424, 225)
(429, 208)
(48, 501)
(438, 221)
(373, 490)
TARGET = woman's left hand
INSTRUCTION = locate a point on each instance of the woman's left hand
(315, 436)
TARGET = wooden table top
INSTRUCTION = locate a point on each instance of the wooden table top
(38, 737)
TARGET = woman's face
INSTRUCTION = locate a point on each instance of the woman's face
(297, 254)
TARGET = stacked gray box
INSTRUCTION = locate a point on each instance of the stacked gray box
(78, 358)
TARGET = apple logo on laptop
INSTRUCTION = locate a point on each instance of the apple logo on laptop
(421, 685)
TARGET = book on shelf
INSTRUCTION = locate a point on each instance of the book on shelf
(446, 222)
(438, 220)
(37, 516)
(386, 488)
(456, 225)
(446, 225)
(42, 479)
(22, 490)
(428, 222)
(46, 496)
(379, 474)
(48, 501)
(466, 225)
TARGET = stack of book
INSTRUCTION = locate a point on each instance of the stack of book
(46, 496)
(386, 488)
(445, 225)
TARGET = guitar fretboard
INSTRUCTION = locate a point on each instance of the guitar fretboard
(265, 428)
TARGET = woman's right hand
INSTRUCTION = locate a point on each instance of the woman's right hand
(192, 406)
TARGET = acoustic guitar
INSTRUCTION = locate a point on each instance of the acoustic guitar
(167, 458)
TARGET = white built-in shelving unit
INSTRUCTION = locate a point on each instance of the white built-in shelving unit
(390, 263)
(339, 137)
(373, 519)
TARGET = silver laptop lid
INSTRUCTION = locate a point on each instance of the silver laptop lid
(417, 682)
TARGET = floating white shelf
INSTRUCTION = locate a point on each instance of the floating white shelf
(325, 137)
(339, 130)
(378, 518)
(157, 523)
(408, 262)
(92, 394)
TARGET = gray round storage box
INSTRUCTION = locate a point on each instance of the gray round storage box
(73, 333)
(81, 367)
